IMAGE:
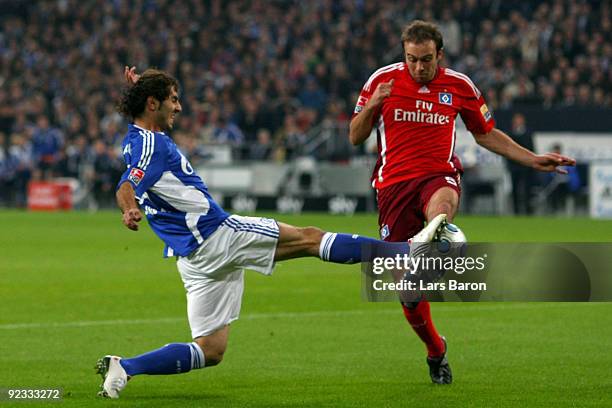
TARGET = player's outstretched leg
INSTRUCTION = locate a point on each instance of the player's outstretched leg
(173, 358)
(334, 247)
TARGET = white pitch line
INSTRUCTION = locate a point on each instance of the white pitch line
(443, 308)
(87, 323)
(252, 316)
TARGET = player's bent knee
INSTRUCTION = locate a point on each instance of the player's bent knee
(213, 355)
(445, 208)
(213, 358)
(213, 351)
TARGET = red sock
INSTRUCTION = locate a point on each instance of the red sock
(420, 320)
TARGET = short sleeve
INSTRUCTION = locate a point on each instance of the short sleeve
(477, 116)
(145, 157)
(364, 96)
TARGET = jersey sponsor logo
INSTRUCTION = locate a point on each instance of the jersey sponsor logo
(445, 98)
(400, 115)
(424, 105)
(136, 175)
(384, 232)
(451, 181)
(484, 110)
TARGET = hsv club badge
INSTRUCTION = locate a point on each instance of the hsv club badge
(445, 98)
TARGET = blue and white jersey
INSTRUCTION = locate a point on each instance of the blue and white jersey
(175, 199)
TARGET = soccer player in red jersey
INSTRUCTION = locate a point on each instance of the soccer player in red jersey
(413, 106)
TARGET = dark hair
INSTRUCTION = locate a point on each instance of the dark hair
(152, 82)
(420, 31)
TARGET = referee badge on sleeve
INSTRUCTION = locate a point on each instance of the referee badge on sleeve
(136, 175)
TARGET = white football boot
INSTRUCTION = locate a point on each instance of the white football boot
(113, 375)
(420, 246)
(431, 231)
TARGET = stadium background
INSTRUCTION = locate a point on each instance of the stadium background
(274, 84)
(268, 89)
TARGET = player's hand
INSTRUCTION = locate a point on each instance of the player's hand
(551, 162)
(383, 90)
(130, 75)
(131, 218)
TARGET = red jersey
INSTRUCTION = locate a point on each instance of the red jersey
(416, 123)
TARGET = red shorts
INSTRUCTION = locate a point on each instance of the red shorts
(401, 206)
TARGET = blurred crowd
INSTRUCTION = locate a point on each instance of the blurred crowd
(262, 76)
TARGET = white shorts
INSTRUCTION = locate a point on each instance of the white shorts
(213, 274)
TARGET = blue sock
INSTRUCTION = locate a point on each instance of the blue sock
(173, 358)
(349, 249)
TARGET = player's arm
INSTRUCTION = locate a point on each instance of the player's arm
(361, 125)
(145, 164)
(126, 201)
(502, 144)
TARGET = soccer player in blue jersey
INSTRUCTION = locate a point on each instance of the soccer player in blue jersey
(212, 247)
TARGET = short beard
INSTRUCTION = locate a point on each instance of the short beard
(165, 126)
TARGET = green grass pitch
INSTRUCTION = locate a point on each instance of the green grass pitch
(75, 286)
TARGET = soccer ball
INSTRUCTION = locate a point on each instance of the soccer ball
(452, 241)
